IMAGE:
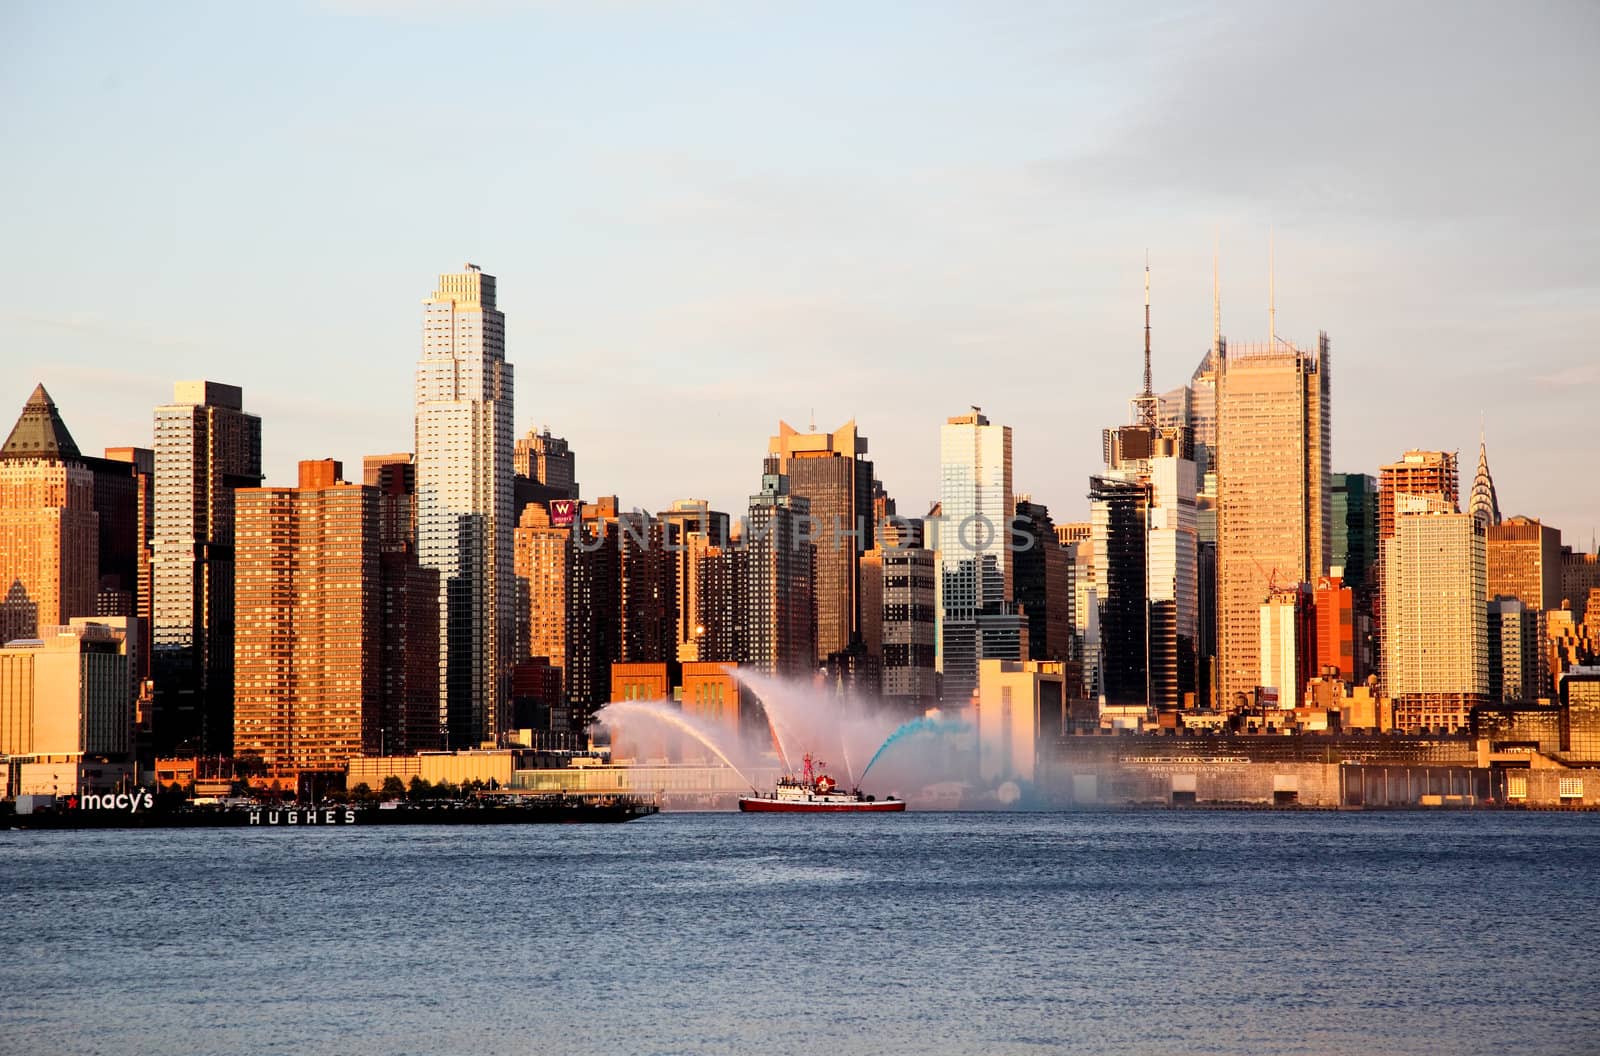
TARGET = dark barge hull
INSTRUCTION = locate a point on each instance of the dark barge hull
(284, 817)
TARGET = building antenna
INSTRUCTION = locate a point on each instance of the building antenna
(813, 419)
(1272, 291)
(1149, 407)
(1216, 300)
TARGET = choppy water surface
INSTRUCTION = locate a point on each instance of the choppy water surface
(919, 933)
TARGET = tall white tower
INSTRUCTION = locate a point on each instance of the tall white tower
(464, 503)
(976, 618)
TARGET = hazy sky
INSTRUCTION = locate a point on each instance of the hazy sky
(708, 216)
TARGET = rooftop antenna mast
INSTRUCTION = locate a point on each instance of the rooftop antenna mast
(1216, 301)
(1272, 292)
(1147, 400)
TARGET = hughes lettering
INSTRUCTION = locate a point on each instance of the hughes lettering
(328, 816)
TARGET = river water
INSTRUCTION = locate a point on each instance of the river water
(1158, 932)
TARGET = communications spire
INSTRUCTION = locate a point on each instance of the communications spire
(1146, 400)
(1272, 292)
(1216, 301)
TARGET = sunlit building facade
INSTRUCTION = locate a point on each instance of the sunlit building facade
(698, 530)
(776, 604)
(207, 448)
(832, 473)
(49, 530)
(1436, 642)
(1274, 496)
(308, 644)
(977, 618)
(1524, 562)
(541, 552)
(68, 691)
(464, 500)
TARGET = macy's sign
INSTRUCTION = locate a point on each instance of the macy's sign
(133, 802)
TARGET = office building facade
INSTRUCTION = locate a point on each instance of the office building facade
(1274, 491)
(977, 616)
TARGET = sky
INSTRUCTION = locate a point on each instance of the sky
(707, 217)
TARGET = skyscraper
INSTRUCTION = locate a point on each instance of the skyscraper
(1436, 645)
(547, 460)
(1484, 504)
(546, 470)
(718, 632)
(977, 618)
(1077, 540)
(395, 477)
(1119, 511)
(1335, 610)
(908, 608)
(1420, 481)
(309, 625)
(779, 611)
(1580, 573)
(207, 448)
(1288, 644)
(1524, 562)
(409, 662)
(698, 530)
(1355, 528)
(542, 555)
(1355, 556)
(1171, 563)
(831, 472)
(649, 609)
(1514, 654)
(1426, 477)
(1149, 657)
(1273, 491)
(594, 609)
(49, 530)
(141, 466)
(1200, 416)
(464, 499)
(1041, 575)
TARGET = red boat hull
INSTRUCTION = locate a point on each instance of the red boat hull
(758, 805)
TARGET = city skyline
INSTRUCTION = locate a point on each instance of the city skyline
(440, 435)
(640, 273)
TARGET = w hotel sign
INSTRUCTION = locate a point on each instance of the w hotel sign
(562, 512)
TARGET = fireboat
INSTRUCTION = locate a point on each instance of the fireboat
(814, 792)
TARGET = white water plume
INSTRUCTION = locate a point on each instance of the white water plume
(668, 715)
(808, 718)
